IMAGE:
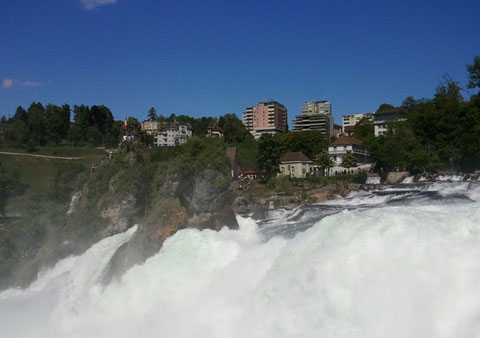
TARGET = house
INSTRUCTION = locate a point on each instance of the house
(150, 127)
(296, 165)
(175, 134)
(381, 118)
(214, 131)
(346, 144)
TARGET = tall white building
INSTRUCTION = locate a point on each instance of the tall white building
(175, 134)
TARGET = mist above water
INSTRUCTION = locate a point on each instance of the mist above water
(404, 263)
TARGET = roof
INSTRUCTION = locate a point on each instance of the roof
(295, 157)
(175, 125)
(249, 172)
(395, 110)
(345, 140)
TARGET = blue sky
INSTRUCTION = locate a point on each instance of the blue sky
(207, 58)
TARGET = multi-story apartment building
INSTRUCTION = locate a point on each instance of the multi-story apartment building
(351, 120)
(268, 117)
(317, 108)
(382, 117)
(323, 123)
(175, 134)
(315, 116)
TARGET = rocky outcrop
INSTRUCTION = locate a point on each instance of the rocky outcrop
(396, 177)
(258, 204)
(202, 202)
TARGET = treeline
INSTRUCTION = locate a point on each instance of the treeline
(51, 125)
(442, 133)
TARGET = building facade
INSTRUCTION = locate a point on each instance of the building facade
(323, 123)
(150, 127)
(346, 144)
(381, 119)
(317, 108)
(351, 120)
(268, 117)
(316, 115)
(296, 165)
(175, 134)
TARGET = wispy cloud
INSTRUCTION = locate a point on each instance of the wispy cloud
(92, 4)
(7, 83)
(31, 84)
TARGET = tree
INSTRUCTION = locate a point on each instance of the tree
(36, 122)
(102, 118)
(233, 128)
(57, 122)
(74, 135)
(82, 116)
(474, 73)
(348, 160)
(133, 126)
(268, 157)
(93, 136)
(324, 161)
(20, 115)
(309, 142)
(17, 133)
(383, 107)
(152, 114)
(364, 129)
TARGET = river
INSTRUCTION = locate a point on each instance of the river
(392, 262)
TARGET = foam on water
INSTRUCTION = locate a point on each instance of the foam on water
(410, 271)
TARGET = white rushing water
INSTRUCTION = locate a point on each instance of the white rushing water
(387, 271)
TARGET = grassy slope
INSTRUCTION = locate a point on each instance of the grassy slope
(37, 173)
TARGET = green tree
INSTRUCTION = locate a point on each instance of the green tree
(133, 126)
(82, 116)
(309, 142)
(383, 107)
(74, 135)
(348, 160)
(233, 128)
(93, 136)
(20, 115)
(152, 114)
(474, 73)
(324, 161)
(102, 118)
(57, 122)
(268, 157)
(36, 125)
(17, 134)
(364, 129)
